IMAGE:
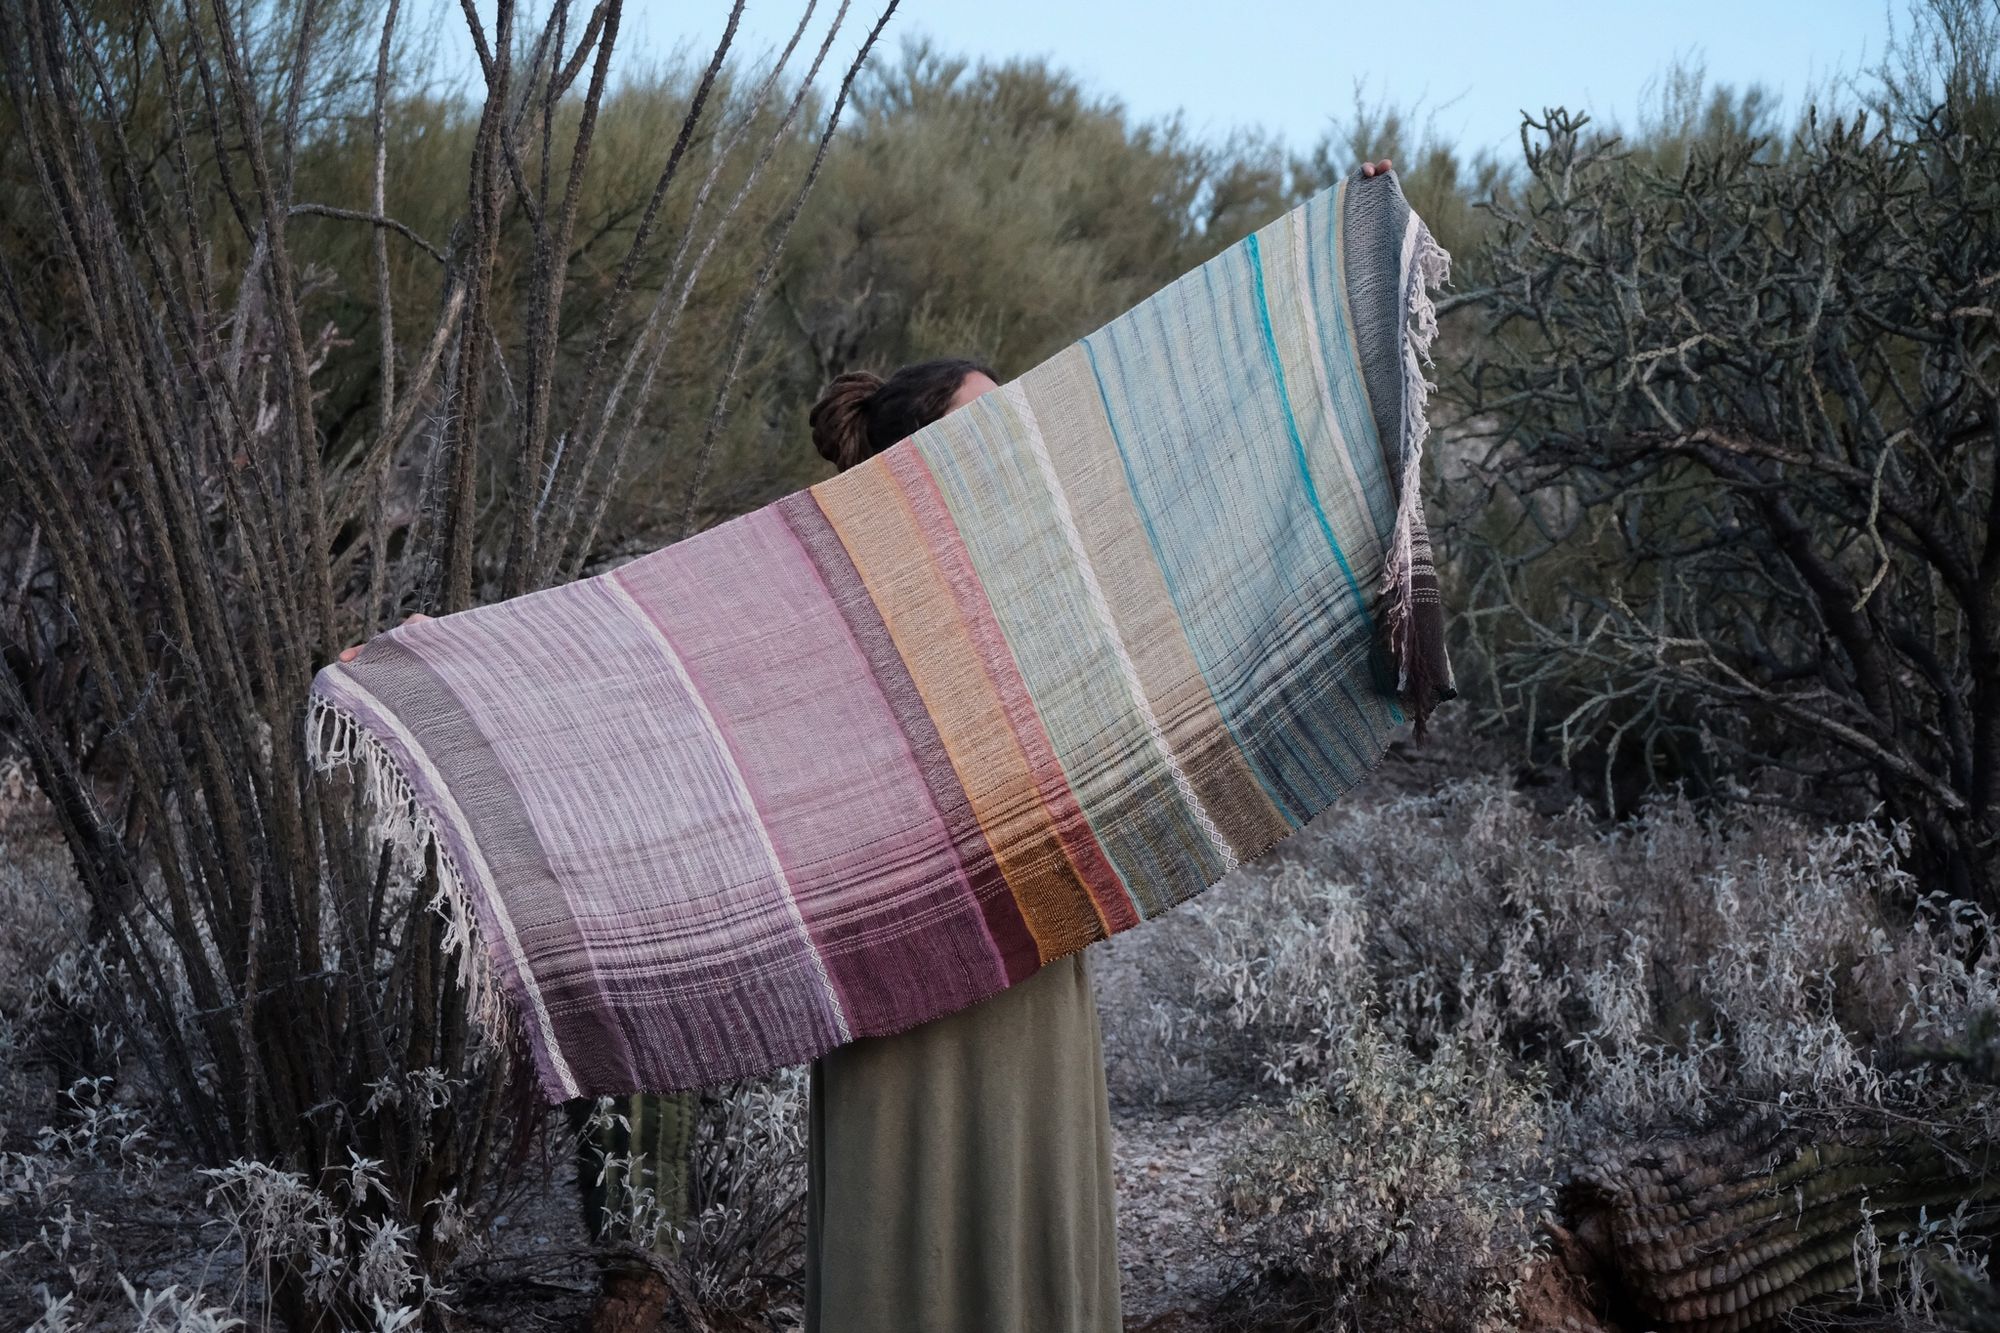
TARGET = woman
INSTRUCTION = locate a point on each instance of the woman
(959, 1172)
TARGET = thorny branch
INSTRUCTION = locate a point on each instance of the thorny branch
(1750, 403)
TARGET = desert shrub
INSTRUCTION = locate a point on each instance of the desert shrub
(218, 1244)
(729, 1251)
(1000, 210)
(1405, 1167)
(1450, 997)
(744, 1250)
(995, 210)
(166, 1311)
(1732, 493)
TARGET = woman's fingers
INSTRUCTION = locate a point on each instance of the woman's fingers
(350, 653)
(1381, 168)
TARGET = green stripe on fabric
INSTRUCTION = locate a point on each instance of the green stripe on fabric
(1276, 796)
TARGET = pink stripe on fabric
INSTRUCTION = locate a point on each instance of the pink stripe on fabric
(861, 662)
(746, 802)
(596, 736)
(1113, 901)
(851, 820)
(1013, 942)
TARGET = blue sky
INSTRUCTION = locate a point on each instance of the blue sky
(1287, 66)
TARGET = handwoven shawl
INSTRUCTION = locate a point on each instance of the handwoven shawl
(880, 749)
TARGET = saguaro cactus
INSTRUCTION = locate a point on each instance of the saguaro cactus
(1728, 1232)
(632, 1168)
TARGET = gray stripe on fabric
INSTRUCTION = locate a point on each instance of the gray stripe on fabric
(592, 1036)
(1373, 217)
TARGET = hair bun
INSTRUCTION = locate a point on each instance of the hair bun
(840, 418)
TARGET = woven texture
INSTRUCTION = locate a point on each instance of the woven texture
(876, 751)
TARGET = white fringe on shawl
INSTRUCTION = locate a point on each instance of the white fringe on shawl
(335, 739)
(1426, 268)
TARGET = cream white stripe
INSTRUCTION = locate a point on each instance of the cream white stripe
(1018, 400)
(435, 784)
(1302, 290)
(743, 797)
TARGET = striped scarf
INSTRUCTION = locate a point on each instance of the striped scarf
(885, 747)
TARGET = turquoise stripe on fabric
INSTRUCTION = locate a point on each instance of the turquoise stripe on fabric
(1249, 318)
(1255, 252)
(1198, 452)
(1159, 555)
(1254, 249)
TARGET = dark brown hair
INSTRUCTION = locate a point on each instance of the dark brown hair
(860, 414)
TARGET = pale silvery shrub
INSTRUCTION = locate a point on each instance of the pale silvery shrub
(166, 1311)
(1454, 996)
(747, 1219)
(633, 1214)
(1382, 1177)
(60, 1157)
(279, 1221)
(732, 1259)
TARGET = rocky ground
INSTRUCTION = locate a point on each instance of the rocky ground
(1174, 1268)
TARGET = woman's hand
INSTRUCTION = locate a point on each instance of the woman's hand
(349, 654)
(1376, 168)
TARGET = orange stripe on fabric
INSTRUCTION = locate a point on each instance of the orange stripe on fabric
(873, 519)
(1114, 904)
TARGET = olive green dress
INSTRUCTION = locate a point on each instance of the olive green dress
(960, 1172)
